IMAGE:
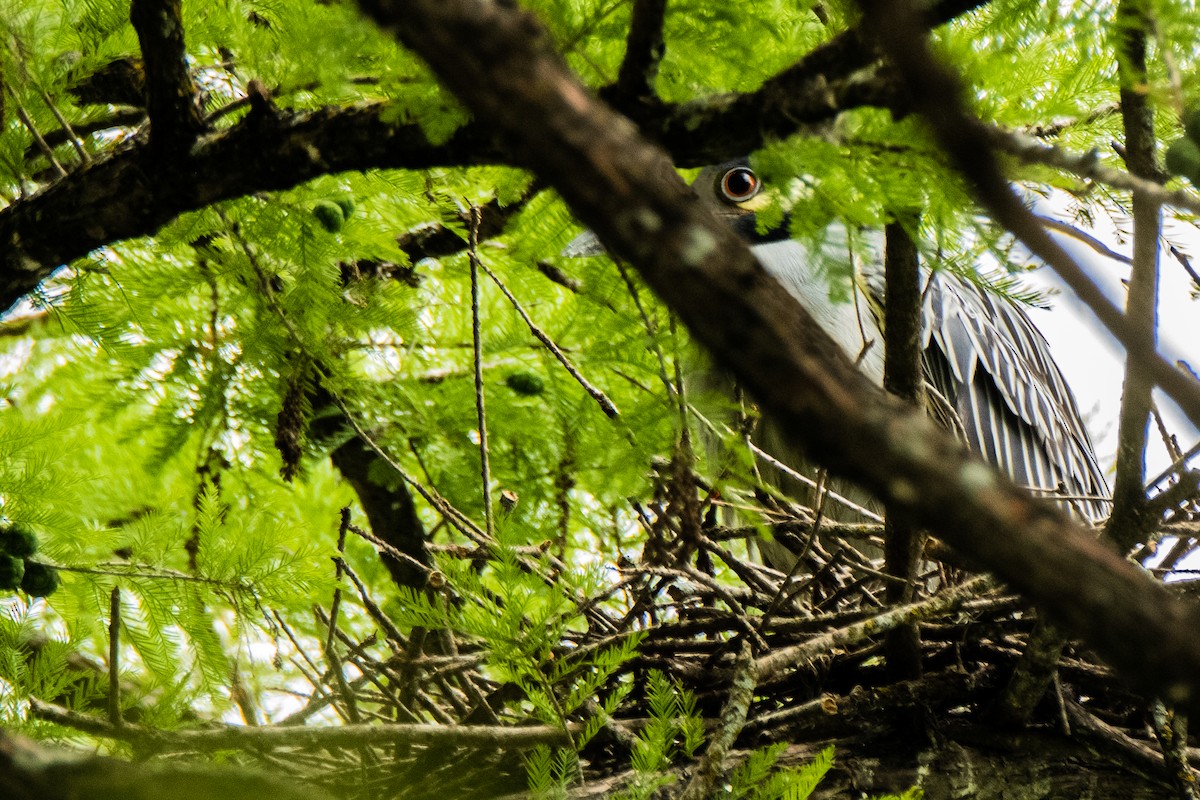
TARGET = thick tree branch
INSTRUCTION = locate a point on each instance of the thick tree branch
(170, 93)
(131, 193)
(718, 128)
(628, 191)
(1128, 523)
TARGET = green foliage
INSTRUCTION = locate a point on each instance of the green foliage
(676, 731)
(142, 403)
(758, 778)
(551, 772)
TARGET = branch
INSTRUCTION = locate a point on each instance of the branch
(644, 49)
(804, 94)
(1129, 523)
(129, 193)
(237, 737)
(32, 771)
(1171, 731)
(170, 94)
(799, 655)
(606, 405)
(1085, 165)
(733, 719)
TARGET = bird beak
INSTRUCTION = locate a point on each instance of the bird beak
(754, 204)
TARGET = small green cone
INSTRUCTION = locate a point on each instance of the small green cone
(330, 215)
(1183, 159)
(18, 541)
(1191, 123)
(526, 383)
(12, 570)
(40, 580)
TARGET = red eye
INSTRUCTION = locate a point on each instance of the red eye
(739, 184)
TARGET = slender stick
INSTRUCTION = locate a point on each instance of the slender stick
(114, 657)
(485, 467)
(606, 405)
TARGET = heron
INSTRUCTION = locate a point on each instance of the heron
(989, 372)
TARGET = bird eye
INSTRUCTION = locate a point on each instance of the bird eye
(739, 184)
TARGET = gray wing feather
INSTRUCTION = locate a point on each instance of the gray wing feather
(985, 356)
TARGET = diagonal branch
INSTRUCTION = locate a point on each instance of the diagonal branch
(1088, 166)
(627, 190)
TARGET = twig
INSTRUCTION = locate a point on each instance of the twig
(773, 664)
(457, 519)
(1085, 237)
(477, 736)
(649, 324)
(312, 676)
(788, 471)
(385, 622)
(331, 654)
(119, 118)
(606, 405)
(1085, 165)
(75, 141)
(485, 469)
(1176, 465)
(1083, 721)
(114, 657)
(338, 561)
(47, 151)
(1171, 731)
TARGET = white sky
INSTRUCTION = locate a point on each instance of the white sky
(1092, 361)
